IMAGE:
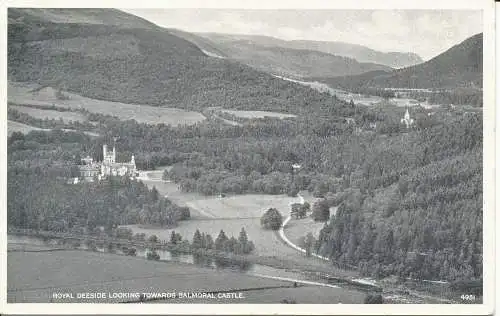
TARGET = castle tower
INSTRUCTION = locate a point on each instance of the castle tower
(104, 151)
(114, 155)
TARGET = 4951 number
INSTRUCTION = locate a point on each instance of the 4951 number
(468, 297)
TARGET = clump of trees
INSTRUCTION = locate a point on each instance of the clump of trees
(129, 251)
(240, 245)
(321, 211)
(175, 238)
(152, 255)
(60, 95)
(271, 219)
(300, 210)
(288, 301)
(374, 299)
(308, 243)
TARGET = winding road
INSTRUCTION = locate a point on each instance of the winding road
(282, 235)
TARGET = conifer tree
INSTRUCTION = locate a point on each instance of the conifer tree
(197, 242)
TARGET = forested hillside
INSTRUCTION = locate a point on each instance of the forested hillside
(459, 66)
(141, 65)
(425, 222)
(279, 59)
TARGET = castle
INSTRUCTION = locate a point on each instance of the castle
(91, 170)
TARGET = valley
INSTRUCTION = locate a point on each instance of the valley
(216, 137)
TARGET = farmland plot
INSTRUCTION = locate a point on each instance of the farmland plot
(13, 126)
(20, 93)
(66, 116)
(21, 128)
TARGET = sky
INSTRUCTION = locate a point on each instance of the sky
(424, 32)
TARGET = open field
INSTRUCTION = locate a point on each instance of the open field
(20, 93)
(298, 228)
(211, 214)
(29, 247)
(301, 295)
(171, 191)
(257, 114)
(66, 116)
(22, 128)
(242, 206)
(237, 206)
(81, 271)
(13, 126)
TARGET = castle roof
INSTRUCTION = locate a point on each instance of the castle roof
(93, 167)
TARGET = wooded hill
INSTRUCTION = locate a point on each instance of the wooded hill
(278, 58)
(139, 63)
(459, 66)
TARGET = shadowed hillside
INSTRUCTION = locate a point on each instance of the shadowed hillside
(295, 62)
(459, 66)
(271, 55)
(137, 62)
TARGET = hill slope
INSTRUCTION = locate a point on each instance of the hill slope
(277, 59)
(459, 66)
(102, 16)
(137, 63)
(358, 52)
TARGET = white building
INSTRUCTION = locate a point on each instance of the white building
(407, 120)
(91, 170)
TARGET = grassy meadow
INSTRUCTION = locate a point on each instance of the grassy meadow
(66, 116)
(20, 93)
(20, 127)
(83, 271)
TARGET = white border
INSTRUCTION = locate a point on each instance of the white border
(300, 309)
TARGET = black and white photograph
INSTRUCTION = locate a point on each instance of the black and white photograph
(221, 156)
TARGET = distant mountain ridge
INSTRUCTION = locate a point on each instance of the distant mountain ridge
(360, 53)
(459, 66)
(277, 59)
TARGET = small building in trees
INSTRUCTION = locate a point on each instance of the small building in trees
(407, 120)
